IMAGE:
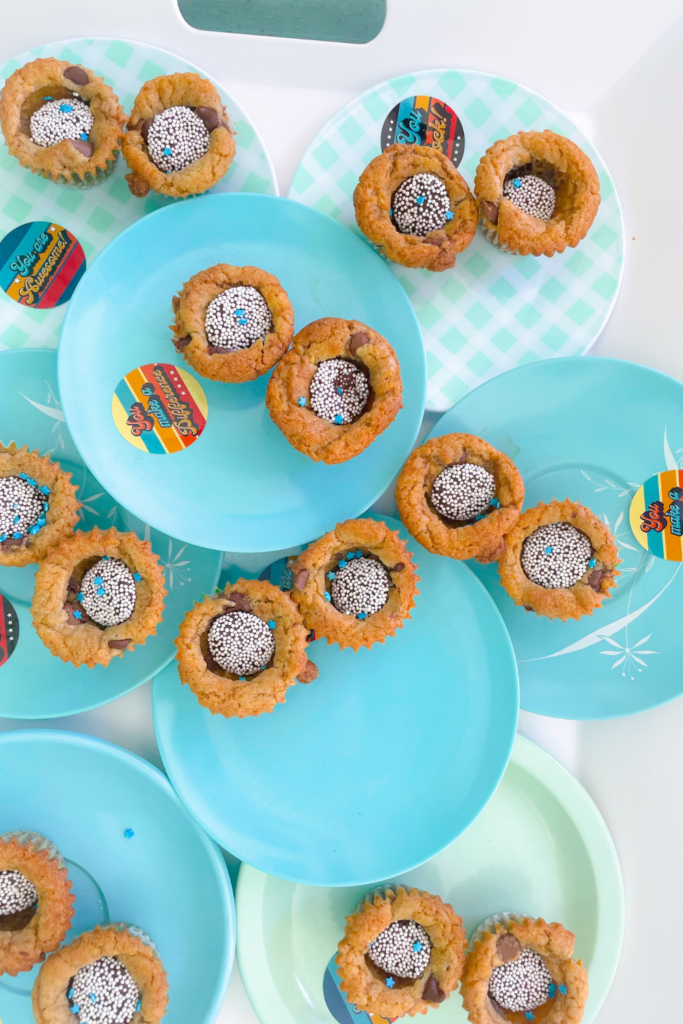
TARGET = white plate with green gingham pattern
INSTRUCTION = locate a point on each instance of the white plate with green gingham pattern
(96, 215)
(493, 311)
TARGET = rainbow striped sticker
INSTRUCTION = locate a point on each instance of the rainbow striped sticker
(9, 631)
(656, 515)
(40, 264)
(425, 121)
(159, 408)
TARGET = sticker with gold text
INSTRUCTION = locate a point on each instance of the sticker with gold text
(159, 408)
(425, 121)
(656, 515)
(40, 264)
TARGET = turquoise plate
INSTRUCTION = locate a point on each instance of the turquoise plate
(168, 878)
(241, 486)
(373, 768)
(33, 682)
(592, 430)
(540, 847)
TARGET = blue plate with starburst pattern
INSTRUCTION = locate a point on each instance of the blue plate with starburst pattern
(33, 682)
(592, 430)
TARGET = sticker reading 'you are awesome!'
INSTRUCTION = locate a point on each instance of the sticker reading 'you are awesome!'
(40, 264)
(656, 515)
(159, 408)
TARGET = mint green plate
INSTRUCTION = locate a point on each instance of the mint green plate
(97, 215)
(539, 847)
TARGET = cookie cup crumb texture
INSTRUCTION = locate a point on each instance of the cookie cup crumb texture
(25, 91)
(364, 984)
(184, 89)
(310, 583)
(189, 332)
(332, 338)
(224, 693)
(554, 943)
(87, 643)
(563, 602)
(62, 513)
(372, 200)
(38, 861)
(483, 540)
(139, 957)
(562, 164)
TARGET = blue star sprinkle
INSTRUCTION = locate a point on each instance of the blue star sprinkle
(549, 550)
(243, 320)
(65, 108)
(343, 564)
(137, 1008)
(45, 490)
(391, 212)
(84, 136)
(563, 989)
(41, 521)
(517, 182)
(552, 991)
(338, 418)
(34, 530)
(417, 946)
(327, 596)
(529, 1015)
(239, 312)
(80, 595)
(137, 577)
(77, 614)
(331, 575)
(16, 519)
(93, 997)
(272, 623)
(301, 401)
(45, 507)
(75, 1008)
(495, 502)
(593, 562)
(98, 580)
(128, 833)
(390, 982)
(362, 615)
(419, 200)
(46, 98)
(339, 391)
(17, 536)
(359, 554)
(105, 558)
(477, 518)
(167, 150)
(449, 215)
(351, 554)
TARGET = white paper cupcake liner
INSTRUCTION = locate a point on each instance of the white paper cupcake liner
(37, 841)
(505, 918)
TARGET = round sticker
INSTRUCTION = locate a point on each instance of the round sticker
(9, 630)
(657, 515)
(425, 121)
(159, 408)
(40, 264)
(341, 1010)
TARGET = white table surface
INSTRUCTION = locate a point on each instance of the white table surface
(617, 68)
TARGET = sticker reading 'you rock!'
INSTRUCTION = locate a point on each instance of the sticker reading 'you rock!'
(40, 264)
(425, 121)
(159, 408)
(656, 515)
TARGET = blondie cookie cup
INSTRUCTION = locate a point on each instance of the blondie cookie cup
(38, 505)
(71, 159)
(560, 561)
(98, 595)
(36, 902)
(210, 308)
(421, 223)
(514, 186)
(401, 925)
(356, 585)
(528, 965)
(118, 963)
(241, 650)
(459, 496)
(209, 152)
(336, 390)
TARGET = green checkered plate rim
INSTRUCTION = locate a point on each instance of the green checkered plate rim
(493, 311)
(97, 215)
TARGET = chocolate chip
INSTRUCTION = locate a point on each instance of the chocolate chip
(85, 148)
(308, 673)
(118, 644)
(398, 567)
(224, 124)
(76, 75)
(497, 1008)
(434, 241)
(144, 127)
(13, 542)
(301, 579)
(137, 185)
(217, 350)
(508, 947)
(72, 606)
(180, 343)
(18, 920)
(357, 341)
(595, 579)
(462, 460)
(432, 992)
(490, 211)
(238, 602)
(528, 608)
(208, 116)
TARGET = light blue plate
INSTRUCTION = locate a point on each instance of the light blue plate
(168, 878)
(592, 430)
(241, 486)
(33, 682)
(375, 766)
